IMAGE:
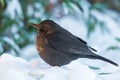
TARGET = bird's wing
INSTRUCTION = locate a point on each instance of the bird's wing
(68, 43)
(86, 44)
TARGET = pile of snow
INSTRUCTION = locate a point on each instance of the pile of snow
(15, 68)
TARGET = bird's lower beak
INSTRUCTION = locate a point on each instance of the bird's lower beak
(35, 25)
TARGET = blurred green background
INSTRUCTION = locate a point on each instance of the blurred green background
(16, 33)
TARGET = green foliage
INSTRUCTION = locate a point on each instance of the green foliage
(94, 68)
(11, 43)
(98, 6)
(105, 73)
(2, 2)
(117, 39)
(115, 47)
(91, 24)
(76, 3)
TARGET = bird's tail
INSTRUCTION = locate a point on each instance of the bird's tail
(101, 58)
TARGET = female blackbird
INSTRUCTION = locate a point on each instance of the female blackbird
(58, 46)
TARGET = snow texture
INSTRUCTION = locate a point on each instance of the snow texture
(15, 68)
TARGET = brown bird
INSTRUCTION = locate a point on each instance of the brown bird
(58, 46)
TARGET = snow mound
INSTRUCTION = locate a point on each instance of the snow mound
(15, 68)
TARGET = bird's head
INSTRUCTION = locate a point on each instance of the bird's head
(46, 27)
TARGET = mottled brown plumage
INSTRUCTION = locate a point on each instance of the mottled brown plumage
(58, 46)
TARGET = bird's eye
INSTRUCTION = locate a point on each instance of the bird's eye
(42, 28)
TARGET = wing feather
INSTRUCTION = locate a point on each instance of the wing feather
(68, 44)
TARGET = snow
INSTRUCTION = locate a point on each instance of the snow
(16, 68)
(80, 72)
(13, 68)
(29, 52)
(14, 6)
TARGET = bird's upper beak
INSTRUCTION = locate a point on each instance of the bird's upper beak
(35, 25)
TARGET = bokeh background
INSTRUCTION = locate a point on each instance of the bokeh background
(95, 21)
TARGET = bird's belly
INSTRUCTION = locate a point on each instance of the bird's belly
(55, 58)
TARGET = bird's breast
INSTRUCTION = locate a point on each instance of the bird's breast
(40, 43)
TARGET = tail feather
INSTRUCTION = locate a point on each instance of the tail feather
(101, 58)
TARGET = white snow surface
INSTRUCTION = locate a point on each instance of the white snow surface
(16, 68)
